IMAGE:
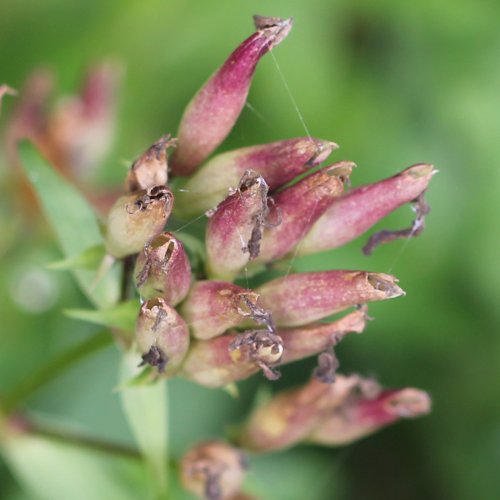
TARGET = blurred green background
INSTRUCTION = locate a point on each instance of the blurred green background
(394, 83)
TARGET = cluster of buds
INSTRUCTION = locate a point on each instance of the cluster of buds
(262, 203)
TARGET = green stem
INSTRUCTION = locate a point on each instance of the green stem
(52, 369)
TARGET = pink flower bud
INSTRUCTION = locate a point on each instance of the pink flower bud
(356, 211)
(363, 414)
(278, 162)
(162, 269)
(222, 360)
(136, 218)
(298, 207)
(302, 342)
(235, 228)
(150, 169)
(212, 307)
(292, 415)
(162, 336)
(298, 299)
(213, 470)
(212, 112)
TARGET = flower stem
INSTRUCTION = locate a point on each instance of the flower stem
(53, 368)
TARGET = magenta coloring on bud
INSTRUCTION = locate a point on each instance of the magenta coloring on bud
(298, 207)
(356, 211)
(212, 112)
(298, 299)
(162, 269)
(363, 414)
(302, 342)
(278, 162)
(212, 307)
(235, 228)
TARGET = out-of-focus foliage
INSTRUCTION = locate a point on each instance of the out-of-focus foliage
(394, 83)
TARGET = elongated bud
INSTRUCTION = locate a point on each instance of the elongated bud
(162, 269)
(136, 218)
(299, 207)
(212, 307)
(222, 360)
(363, 414)
(292, 415)
(298, 299)
(302, 342)
(151, 168)
(213, 470)
(278, 162)
(235, 228)
(356, 211)
(162, 336)
(212, 112)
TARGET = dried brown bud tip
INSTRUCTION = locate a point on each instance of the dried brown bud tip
(213, 470)
(136, 218)
(259, 346)
(151, 168)
(162, 269)
(162, 336)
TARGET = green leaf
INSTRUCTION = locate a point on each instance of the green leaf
(73, 221)
(122, 316)
(52, 470)
(90, 258)
(146, 410)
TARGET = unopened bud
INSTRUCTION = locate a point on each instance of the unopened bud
(302, 342)
(298, 299)
(151, 168)
(136, 218)
(278, 162)
(228, 358)
(235, 229)
(292, 415)
(363, 414)
(213, 470)
(355, 212)
(298, 207)
(212, 112)
(162, 269)
(162, 336)
(212, 307)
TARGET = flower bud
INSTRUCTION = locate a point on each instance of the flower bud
(162, 336)
(235, 228)
(292, 415)
(151, 168)
(213, 470)
(136, 218)
(212, 112)
(228, 358)
(162, 269)
(278, 162)
(302, 342)
(356, 211)
(298, 299)
(363, 414)
(298, 207)
(212, 307)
